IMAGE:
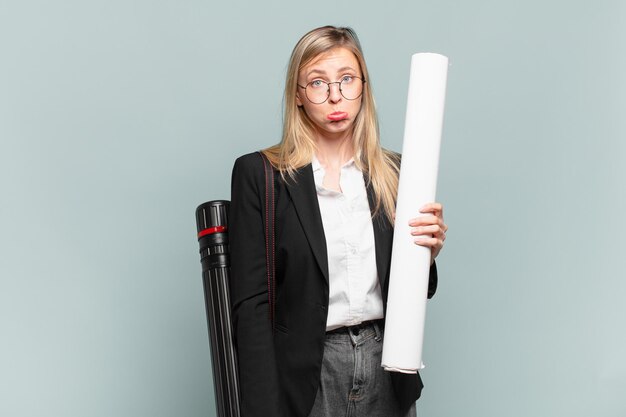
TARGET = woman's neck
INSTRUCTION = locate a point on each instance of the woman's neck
(334, 153)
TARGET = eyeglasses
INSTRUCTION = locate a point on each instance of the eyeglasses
(318, 91)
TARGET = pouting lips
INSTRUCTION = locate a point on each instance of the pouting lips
(337, 116)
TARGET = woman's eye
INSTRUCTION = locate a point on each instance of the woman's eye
(346, 78)
(317, 83)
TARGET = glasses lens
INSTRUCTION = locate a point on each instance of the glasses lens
(317, 91)
(351, 87)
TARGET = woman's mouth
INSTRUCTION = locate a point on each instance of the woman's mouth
(337, 116)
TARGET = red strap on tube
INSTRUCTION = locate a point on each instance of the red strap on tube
(211, 230)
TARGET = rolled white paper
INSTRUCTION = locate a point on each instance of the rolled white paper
(410, 263)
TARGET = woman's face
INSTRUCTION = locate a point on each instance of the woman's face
(334, 118)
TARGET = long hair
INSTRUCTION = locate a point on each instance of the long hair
(297, 146)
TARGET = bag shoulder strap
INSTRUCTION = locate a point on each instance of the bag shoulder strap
(270, 234)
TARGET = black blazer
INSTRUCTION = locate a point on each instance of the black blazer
(280, 370)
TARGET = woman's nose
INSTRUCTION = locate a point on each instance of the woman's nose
(334, 92)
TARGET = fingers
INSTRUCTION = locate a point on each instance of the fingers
(430, 228)
(425, 220)
(435, 216)
(430, 242)
(432, 239)
(435, 230)
(433, 243)
(429, 225)
(430, 235)
(435, 208)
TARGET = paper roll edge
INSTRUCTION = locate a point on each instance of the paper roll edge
(427, 55)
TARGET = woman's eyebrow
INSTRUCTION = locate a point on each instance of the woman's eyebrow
(316, 71)
(322, 72)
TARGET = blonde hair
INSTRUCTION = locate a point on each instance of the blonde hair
(297, 146)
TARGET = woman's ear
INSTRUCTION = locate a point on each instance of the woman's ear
(298, 101)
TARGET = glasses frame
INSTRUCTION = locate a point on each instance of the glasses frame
(328, 89)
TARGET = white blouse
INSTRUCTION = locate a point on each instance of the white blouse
(355, 295)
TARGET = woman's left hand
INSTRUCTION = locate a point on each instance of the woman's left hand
(431, 224)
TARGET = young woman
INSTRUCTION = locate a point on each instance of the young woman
(335, 189)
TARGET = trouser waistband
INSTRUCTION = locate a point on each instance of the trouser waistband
(356, 329)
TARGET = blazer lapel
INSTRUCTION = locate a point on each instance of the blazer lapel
(304, 197)
(383, 237)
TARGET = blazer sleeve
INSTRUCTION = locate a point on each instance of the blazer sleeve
(258, 375)
(432, 280)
